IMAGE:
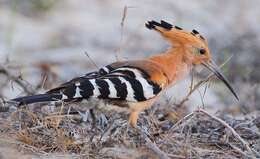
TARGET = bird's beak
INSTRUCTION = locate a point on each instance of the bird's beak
(215, 69)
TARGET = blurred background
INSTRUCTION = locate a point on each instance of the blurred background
(47, 42)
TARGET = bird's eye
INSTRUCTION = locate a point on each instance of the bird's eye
(202, 51)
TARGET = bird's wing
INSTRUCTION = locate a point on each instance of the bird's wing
(128, 81)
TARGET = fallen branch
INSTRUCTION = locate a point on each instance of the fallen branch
(152, 146)
(234, 133)
(181, 121)
(155, 149)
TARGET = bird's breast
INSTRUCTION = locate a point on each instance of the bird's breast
(181, 71)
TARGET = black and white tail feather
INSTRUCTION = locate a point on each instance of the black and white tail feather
(124, 83)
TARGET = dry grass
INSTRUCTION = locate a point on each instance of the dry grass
(33, 131)
(64, 132)
(197, 135)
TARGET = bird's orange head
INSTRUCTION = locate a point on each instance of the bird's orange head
(191, 44)
(193, 47)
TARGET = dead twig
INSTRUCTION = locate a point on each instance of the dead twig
(181, 121)
(17, 80)
(91, 60)
(152, 146)
(200, 83)
(237, 149)
(234, 133)
(122, 23)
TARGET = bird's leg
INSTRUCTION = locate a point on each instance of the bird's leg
(133, 118)
(133, 122)
(91, 111)
(136, 108)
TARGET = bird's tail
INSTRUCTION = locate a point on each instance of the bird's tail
(37, 98)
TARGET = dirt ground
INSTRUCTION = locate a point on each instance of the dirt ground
(44, 43)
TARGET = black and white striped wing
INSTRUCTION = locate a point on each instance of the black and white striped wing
(134, 83)
(124, 83)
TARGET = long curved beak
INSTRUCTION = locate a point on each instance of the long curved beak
(215, 69)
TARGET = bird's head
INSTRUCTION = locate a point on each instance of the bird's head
(191, 45)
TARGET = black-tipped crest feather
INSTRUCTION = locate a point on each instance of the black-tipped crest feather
(195, 31)
(178, 28)
(166, 25)
(152, 24)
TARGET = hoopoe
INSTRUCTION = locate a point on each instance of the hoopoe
(138, 83)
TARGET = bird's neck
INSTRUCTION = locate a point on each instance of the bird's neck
(173, 63)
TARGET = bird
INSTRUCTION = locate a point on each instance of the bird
(137, 84)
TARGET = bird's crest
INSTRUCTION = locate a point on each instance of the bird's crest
(175, 34)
